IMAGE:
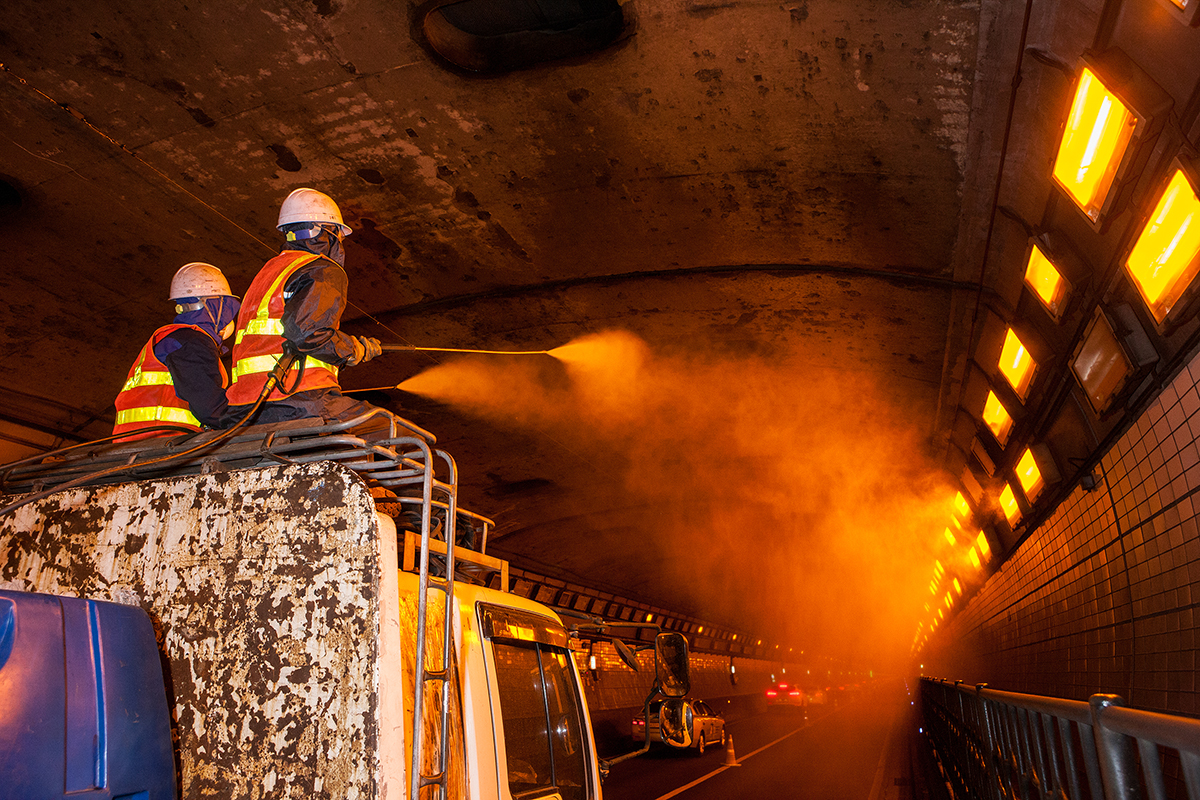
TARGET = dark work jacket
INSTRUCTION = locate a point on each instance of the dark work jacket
(313, 301)
(194, 361)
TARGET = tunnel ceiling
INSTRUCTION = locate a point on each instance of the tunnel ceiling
(802, 187)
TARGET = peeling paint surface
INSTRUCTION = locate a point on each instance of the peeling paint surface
(263, 586)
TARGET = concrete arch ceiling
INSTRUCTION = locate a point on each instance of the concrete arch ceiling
(785, 204)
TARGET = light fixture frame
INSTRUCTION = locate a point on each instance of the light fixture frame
(1098, 319)
(1188, 15)
(1146, 101)
(1047, 467)
(1050, 248)
(1179, 309)
(1025, 337)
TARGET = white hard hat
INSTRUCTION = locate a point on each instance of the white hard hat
(309, 205)
(198, 279)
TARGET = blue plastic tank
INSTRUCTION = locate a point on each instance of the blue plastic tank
(83, 706)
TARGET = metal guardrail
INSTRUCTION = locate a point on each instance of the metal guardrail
(1004, 745)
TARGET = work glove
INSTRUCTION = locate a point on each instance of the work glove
(365, 348)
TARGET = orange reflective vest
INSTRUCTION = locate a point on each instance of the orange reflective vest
(148, 396)
(258, 343)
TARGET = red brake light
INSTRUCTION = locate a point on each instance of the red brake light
(794, 692)
(771, 692)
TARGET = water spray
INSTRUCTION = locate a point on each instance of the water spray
(409, 348)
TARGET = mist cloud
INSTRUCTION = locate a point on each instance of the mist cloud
(794, 503)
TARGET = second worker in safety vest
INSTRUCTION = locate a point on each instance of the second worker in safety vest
(299, 296)
(178, 378)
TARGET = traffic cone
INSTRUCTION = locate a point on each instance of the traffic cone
(730, 758)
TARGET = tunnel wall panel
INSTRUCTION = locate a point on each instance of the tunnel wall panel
(1104, 596)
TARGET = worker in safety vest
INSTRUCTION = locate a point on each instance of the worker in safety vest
(298, 297)
(178, 377)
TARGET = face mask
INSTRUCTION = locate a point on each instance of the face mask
(320, 239)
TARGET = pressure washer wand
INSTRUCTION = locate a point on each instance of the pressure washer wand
(408, 348)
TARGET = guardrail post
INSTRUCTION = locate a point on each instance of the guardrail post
(1118, 770)
(991, 763)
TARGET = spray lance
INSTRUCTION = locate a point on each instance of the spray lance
(412, 348)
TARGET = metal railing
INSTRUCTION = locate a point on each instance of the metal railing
(1004, 745)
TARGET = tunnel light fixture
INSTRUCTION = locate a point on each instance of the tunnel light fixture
(1166, 255)
(950, 537)
(938, 569)
(1029, 475)
(974, 556)
(958, 587)
(1094, 144)
(1036, 470)
(961, 507)
(1008, 504)
(1045, 280)
(1016, 365)
(949, 600)
(981, 542)
(1184, 11)
(1100, 364)
(997, 418)
(1116, 112)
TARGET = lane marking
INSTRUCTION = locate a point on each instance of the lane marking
(877, 784)
(719, 770)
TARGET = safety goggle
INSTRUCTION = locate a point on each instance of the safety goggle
(313, 232)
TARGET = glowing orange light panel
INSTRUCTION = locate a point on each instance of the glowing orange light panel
(984, 547)
(1166, 256)
(1029, 475)
(961, 507)
(1008, 503)
(975, 559)
(949, 537)
(1044, 279)
(1094, 141)
(1016, 365)
(997, 418)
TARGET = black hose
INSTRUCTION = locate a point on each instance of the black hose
(275, 378)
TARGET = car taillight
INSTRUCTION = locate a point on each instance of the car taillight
(794, 693)
(639, 722)
(771, 692)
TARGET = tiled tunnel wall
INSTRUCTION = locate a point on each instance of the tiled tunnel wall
(1104, 596)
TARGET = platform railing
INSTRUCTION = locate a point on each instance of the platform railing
(1004, 745)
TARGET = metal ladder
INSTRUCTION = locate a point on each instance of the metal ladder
(423, 469)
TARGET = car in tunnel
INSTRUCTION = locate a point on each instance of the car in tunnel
(786, 694)
(707, 726)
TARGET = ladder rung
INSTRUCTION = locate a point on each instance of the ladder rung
(441, 584)
(437, 674)
(433, 780)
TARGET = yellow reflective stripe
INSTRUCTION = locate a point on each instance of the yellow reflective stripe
(140, 378)
(256, 364)
(157, 414)
(262, 322)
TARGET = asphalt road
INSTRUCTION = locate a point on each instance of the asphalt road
(828, 753)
